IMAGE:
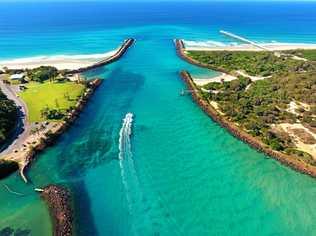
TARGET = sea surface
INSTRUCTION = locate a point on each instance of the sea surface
(177, 172)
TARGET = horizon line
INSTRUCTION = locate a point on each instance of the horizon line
(155, 1)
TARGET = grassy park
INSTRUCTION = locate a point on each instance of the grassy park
(50, 95)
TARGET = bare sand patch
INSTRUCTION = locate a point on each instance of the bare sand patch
(222, 77)
(304, 138)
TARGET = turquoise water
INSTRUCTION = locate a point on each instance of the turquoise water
(186, 175)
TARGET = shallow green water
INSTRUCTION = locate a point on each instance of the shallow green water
(188, 176)
(194, 177)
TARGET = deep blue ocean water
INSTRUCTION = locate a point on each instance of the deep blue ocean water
(183, 175)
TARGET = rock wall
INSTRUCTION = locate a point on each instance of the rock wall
(287, 160)
(58, 201)
(120, 52)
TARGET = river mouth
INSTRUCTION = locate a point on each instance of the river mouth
(193, 178)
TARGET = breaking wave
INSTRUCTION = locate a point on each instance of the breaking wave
(208, 43)
(54, 58)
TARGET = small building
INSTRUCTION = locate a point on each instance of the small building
(17, 76)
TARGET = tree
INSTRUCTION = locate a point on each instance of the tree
(42, 73)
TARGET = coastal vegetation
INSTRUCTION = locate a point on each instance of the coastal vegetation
(307, 54)
(253, 63)
(279, 110)
(51, 100)
(42, 73)
(265, 103)
(8, 117)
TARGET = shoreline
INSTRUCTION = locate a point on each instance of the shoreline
(119, 53)
(27, 154)
(204, 46)
(218, 78)
(70, 63)
(180, 48)
(242, 135)
(58, 201)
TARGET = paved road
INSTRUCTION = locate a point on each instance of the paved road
(23, 127)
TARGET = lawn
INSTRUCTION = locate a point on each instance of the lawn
(53, 95)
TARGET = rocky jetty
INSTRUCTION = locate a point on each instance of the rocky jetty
(285, 159)
(38, 142)
(120, 52)
(180, 47)
(58, 201)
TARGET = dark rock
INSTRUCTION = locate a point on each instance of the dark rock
(59, 203)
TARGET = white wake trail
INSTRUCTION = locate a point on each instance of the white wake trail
(128, 172)
(140, 209)
(125, 151)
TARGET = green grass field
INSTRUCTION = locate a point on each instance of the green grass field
(37, 96)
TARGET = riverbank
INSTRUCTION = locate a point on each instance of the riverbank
(72, 63)
(219, 79)
(27, 144)
(36, 142)
(244, 136)
(58, 200)
(211, 110)
(181, 51)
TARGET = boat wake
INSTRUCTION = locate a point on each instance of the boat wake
(127, 166)
(139, 207)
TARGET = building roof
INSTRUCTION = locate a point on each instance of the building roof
(17, 76)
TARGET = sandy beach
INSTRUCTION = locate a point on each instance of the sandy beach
(205, 46)
(218, 79)
(61, 62)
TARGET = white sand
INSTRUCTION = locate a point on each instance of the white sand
(295, 105)
(253, 78)
(61, 62)
(218, 79)
(247, 47)
(290, 129)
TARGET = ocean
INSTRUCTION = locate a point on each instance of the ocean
(177, 172)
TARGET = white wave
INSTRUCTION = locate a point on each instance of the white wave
(208, 43)
(42, 58)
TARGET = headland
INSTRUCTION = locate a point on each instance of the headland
(257, 115)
